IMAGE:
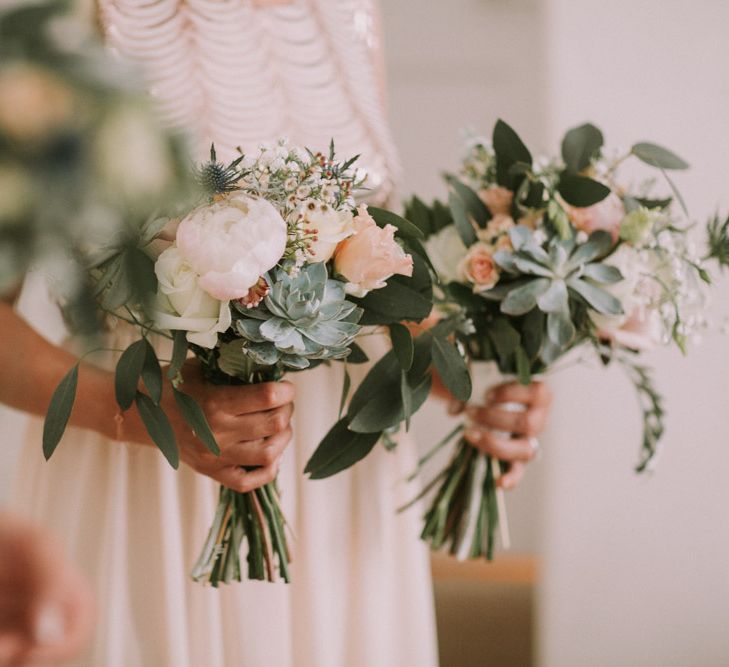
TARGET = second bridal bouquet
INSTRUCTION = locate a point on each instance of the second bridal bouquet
(274, 269)
(541, 258)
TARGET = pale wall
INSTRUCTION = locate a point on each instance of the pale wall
(637, 569)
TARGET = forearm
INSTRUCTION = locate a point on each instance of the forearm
(33, 367)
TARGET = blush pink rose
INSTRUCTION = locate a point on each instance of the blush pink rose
(497, 199)
(605, 215)
(370, 256)
(641, 330)
(478, 267)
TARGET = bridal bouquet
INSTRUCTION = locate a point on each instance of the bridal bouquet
(541, 258)
(274, 270)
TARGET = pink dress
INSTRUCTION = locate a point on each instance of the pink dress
(239, 73)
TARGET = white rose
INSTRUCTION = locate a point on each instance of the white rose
(231, 243)
(183, 304)
(446, 251)
(329, 228)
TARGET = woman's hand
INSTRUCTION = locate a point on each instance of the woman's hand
(251, 425)
(46, 607)
(491, 419)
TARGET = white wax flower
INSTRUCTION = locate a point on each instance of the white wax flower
(329, 226)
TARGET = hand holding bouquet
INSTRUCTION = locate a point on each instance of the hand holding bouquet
(543, 258)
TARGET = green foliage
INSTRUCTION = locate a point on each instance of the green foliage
(581, 191)
(158, 427)
(59, 411)
(657, 156)
(717, 238)
(510, 151)
(402, 344)
(128, 371)
(195, 417)
(580, 145)
(340, 449)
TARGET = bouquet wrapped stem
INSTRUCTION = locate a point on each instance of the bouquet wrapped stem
(255, 516)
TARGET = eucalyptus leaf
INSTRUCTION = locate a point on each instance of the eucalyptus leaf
(580, 145)
(475, 208)
(452, 368)
(406, 394)
(581, 191)
(196, 420)
(128, 371)
(159, 428)
(508, 146)
(59, 411)
(356, 355)
(461, 220)
(152, 373)
(385, 409)
(346, 386)
(657, 156)
(402, 343)
(179, 353)
(340, 449)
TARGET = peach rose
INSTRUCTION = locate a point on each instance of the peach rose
(497, 199)
(478, 267)
(370, 256)
(605, 215)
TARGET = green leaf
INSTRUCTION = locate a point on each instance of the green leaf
(59, 411)
(397, 301)
(452, 368)
(477, 211)
(406, 394)
(461, 220)
(504, 338)
(657, 156)
(196, 420)
(523, 367)
(418, 213)
(402, 343)
(159, 428)
(386, 410)
(580, 145)
(386, 372)
(128, 372)
(152, 373)
(357, 355)
(405, 228)
(179, 353)
(340, 449)
(346, 386)
(581, 191)
(509, 149)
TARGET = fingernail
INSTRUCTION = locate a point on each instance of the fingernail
(472, 435)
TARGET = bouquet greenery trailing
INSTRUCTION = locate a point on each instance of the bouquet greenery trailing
(72, 121)
(273, 269)
(541, 258)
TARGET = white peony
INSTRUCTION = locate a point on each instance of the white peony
(231, 243)
(182, 304)
(328, 226)
(446, 251)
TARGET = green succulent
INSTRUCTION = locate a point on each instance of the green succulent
(550, 279)
(305, 316)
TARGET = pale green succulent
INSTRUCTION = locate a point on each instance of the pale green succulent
(549, 279)
(305, 316)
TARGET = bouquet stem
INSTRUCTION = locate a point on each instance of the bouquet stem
(465, 511)
(255, 516)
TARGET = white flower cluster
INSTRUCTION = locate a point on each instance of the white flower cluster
(313, 193)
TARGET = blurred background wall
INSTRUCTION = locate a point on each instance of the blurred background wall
(632, 570)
